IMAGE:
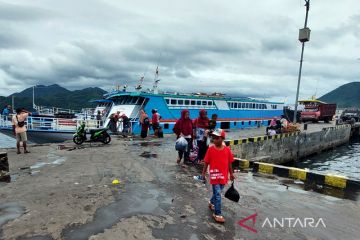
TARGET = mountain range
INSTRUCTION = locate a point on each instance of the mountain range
(347, 95)
(54, 96)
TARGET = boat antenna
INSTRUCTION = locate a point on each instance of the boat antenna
(139, 86)
(156, 77)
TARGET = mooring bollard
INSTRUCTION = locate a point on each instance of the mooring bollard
(4, 167)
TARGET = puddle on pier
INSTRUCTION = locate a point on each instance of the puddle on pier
(35, 238)
(146, 154)
(10, 211)
(138, 199)
(148, 144)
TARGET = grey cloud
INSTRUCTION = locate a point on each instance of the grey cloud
(17, 12)
(199, 46)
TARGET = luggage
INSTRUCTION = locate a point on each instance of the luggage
(232, 194)
(160, 132)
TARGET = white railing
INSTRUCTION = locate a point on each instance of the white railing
(51, 124)
(62, 124)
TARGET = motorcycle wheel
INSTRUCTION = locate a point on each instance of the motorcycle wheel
(105, 138)
(78, 140)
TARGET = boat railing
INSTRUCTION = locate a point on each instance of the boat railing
(53, 110)
(51, 124)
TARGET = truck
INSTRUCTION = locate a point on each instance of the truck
(315, 111)
(350, 114)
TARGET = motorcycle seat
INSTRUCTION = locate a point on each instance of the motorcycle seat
(96, 130)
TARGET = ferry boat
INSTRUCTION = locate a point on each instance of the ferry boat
(232, 112)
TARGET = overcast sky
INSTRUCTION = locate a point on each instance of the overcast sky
(244, 47)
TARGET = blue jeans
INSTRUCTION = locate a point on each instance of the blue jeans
(216, 198)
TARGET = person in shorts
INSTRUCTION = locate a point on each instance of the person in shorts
(19, 127)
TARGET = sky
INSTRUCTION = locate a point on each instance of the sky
(243, 47)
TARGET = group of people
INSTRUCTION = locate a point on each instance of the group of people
(198, 130)
(277, 126)
(211, 151)
(146, 123)
(115, 119)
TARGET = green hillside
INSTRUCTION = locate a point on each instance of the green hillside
(54, 96)
(347, 95)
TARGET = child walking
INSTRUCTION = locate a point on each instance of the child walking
(219, 157)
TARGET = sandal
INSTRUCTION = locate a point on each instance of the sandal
(211, 206)
(27, 152)
(218, 218)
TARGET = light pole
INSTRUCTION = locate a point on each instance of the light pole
(304, 36)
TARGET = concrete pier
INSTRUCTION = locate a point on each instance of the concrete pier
(66, 192)
(282, 148)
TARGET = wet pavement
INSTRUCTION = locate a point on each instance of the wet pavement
(71, 197)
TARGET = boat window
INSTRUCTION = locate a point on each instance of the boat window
(210, 103)
(193, 102)
(265, 107)
(134, 100)
(198, 102)
(167, 101)
(253, 105)
(235, 105)
(275, 106)
(257, 106)
(242, 105)
(173, 101)
(187, 102)
(204, 103)
(181, 102)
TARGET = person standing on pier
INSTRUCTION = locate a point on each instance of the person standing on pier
(201, 125)
(144, 122)
(184, 128)
(155, 121)
(19, 127)
(219, 157)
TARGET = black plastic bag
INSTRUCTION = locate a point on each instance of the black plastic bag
(232, 194)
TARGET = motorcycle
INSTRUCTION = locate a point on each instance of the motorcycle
(96, 135)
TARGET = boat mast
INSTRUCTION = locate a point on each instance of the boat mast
(156, 81)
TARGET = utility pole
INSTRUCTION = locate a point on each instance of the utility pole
(304, 36)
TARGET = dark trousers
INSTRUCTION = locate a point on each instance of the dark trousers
(202, 149)
(186, 153)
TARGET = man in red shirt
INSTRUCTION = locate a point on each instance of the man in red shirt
(155, 121)
(219, 157)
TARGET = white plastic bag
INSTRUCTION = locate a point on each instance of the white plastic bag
(181, 144)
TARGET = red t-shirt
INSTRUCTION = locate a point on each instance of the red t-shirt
(219, 161)
(155, 118)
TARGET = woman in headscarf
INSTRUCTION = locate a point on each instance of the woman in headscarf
(184, 128)
(201, 125)
(144, 122)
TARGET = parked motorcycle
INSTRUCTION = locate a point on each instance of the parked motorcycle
(96, 135)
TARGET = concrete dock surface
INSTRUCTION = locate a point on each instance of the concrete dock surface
(66, 192)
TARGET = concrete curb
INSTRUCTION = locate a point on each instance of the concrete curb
(241, 163)
(307, 176)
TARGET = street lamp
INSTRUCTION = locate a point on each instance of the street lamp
(304, 36)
